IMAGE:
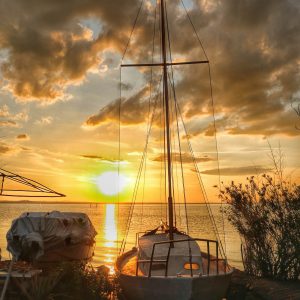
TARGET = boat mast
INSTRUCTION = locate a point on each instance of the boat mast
(167, 118)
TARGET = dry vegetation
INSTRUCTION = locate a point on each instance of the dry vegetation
(266, 213)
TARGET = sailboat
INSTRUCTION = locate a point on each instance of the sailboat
(168, 263)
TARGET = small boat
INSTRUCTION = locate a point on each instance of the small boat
(167, 263)
(45, 236)
(51, 237)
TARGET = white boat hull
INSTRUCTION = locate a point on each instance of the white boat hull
(212, 287)
(167, 288)
(69, 253)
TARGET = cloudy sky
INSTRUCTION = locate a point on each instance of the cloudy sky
(60, 85)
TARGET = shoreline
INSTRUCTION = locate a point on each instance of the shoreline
(94, 202)
(246, 287)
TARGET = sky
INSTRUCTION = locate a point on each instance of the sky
(60, 90)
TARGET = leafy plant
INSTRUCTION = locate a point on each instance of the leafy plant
(80, 281)
(266, 213)
(76, 281)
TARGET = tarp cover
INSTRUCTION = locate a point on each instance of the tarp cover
(33, 234)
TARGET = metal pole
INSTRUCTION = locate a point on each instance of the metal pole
(166, 99)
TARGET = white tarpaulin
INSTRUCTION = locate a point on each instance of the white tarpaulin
(33, 235)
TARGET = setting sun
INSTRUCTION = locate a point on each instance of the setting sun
(111, 183)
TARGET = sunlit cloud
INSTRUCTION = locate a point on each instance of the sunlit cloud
(44, 121)
(234, 171)
(23, 137)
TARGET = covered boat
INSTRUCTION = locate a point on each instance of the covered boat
(51, 237)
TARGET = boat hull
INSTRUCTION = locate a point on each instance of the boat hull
(173, 288)
(212, 287)
(69, 253)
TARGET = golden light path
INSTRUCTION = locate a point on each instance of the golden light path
(110, 234)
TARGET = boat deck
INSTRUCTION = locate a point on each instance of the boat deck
(128, 266)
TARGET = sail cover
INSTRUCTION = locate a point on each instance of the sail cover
(34, 234)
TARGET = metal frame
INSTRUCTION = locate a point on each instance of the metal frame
(172, 242)
(35, 189)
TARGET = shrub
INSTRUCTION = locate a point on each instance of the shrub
(266, 213)
(80, 281)
(76, 281)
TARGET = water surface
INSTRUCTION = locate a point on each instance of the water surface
(110, 223)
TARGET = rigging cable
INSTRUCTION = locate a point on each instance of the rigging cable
(119, 156)
(178, 135)
(214, 120)
(132, 30)
(139, 176)
(149, 108)
(123, 56)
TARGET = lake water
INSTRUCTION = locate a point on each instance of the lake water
(110, 223)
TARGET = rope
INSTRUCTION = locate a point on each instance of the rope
(132, 30)
(180, 154)
(178, 136)
(149, 107)
(138, 177)
(214, 118)
(119, 156)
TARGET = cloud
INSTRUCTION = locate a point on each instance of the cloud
(49, 41)
(44, 121)
(8, 123)
(186, 158)
(9, 119)
(252, 85)
(23, 137)
(4, 111)
(134, 111)
(103, 159)
(235, 171)
(253, 47)
(6, 149)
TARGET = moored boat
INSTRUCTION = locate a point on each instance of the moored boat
(51, 237)
(167, 263)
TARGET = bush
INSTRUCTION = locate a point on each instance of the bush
(76, 281)
(267, 216)
(80, 281)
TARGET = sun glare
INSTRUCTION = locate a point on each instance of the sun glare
(111, 183)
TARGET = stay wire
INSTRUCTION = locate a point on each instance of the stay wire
(123, 56)
(119, 156)
(132, 30)
(135, 191)
(149, 108)
(201, 182)
(214, 118)
(178, 135)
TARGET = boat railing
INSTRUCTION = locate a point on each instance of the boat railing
(210, 258)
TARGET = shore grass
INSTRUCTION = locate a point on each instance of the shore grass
(266, 213)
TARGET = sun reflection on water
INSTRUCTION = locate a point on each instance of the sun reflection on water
(110, 235)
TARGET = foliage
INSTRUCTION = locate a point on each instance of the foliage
(267, 215)
(74, 281)
(80, 281)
